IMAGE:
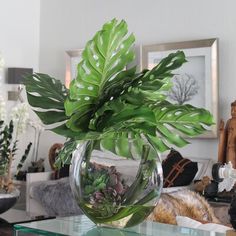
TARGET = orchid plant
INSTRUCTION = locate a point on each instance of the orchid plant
(9, 136)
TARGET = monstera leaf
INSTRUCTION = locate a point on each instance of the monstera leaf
(151, 85)
(161, 125)
(110, 103)
(45, 92)
(48, 94)
(104, 57)
(142, 89)
(65, 154)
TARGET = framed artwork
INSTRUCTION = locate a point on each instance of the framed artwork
(73, 57)
(196, 82)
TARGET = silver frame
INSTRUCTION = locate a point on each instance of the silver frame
(69, 55)
(213, 45)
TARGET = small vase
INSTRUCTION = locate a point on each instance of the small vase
(112, 190)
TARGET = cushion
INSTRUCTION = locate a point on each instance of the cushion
(56, 197)
(178, 171)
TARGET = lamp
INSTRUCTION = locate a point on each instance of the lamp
(15, 76)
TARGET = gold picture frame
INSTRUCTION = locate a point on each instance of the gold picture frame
(73, 57)
(202, 67)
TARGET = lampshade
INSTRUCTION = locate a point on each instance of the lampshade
(16, 75)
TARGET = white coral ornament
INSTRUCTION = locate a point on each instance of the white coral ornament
(228, 174)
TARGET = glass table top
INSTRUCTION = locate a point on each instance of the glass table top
(82, 226)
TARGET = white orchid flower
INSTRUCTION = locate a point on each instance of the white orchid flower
(3, 112)
(20, 117)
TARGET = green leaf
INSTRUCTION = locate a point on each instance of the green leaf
(182, 114)
(183, 118)
(172, 137)
(108, 102)
(107, 143)
(117, 143)
(117, 113)
(148, 197)
(51, 117)
(150, 86)
(65, 131)
(137, 145)
(157, 143)
(164, 69)
(123, 146)
(23, 158)
(64, 156)
(48, 94)
(124, 212)
(131, 115)
(139, 216)
(6, 145)
(161, 124)
(44, 102)
(45, 92)
(104, 57)
(145, 171)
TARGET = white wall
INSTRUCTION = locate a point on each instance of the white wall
(69, 24)
(19, 32)
(19, 36)
(19, 45)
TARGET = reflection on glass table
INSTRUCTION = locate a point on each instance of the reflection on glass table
(82, 226)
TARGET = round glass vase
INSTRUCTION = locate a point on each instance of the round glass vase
(113, 190)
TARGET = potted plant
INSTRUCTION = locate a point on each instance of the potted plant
(111, 113)
(9, 137)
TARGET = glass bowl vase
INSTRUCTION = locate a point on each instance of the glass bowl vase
(118, 188)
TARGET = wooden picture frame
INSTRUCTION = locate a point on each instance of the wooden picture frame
(73, 57)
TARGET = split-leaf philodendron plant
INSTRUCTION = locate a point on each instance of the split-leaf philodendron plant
(107, 101)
